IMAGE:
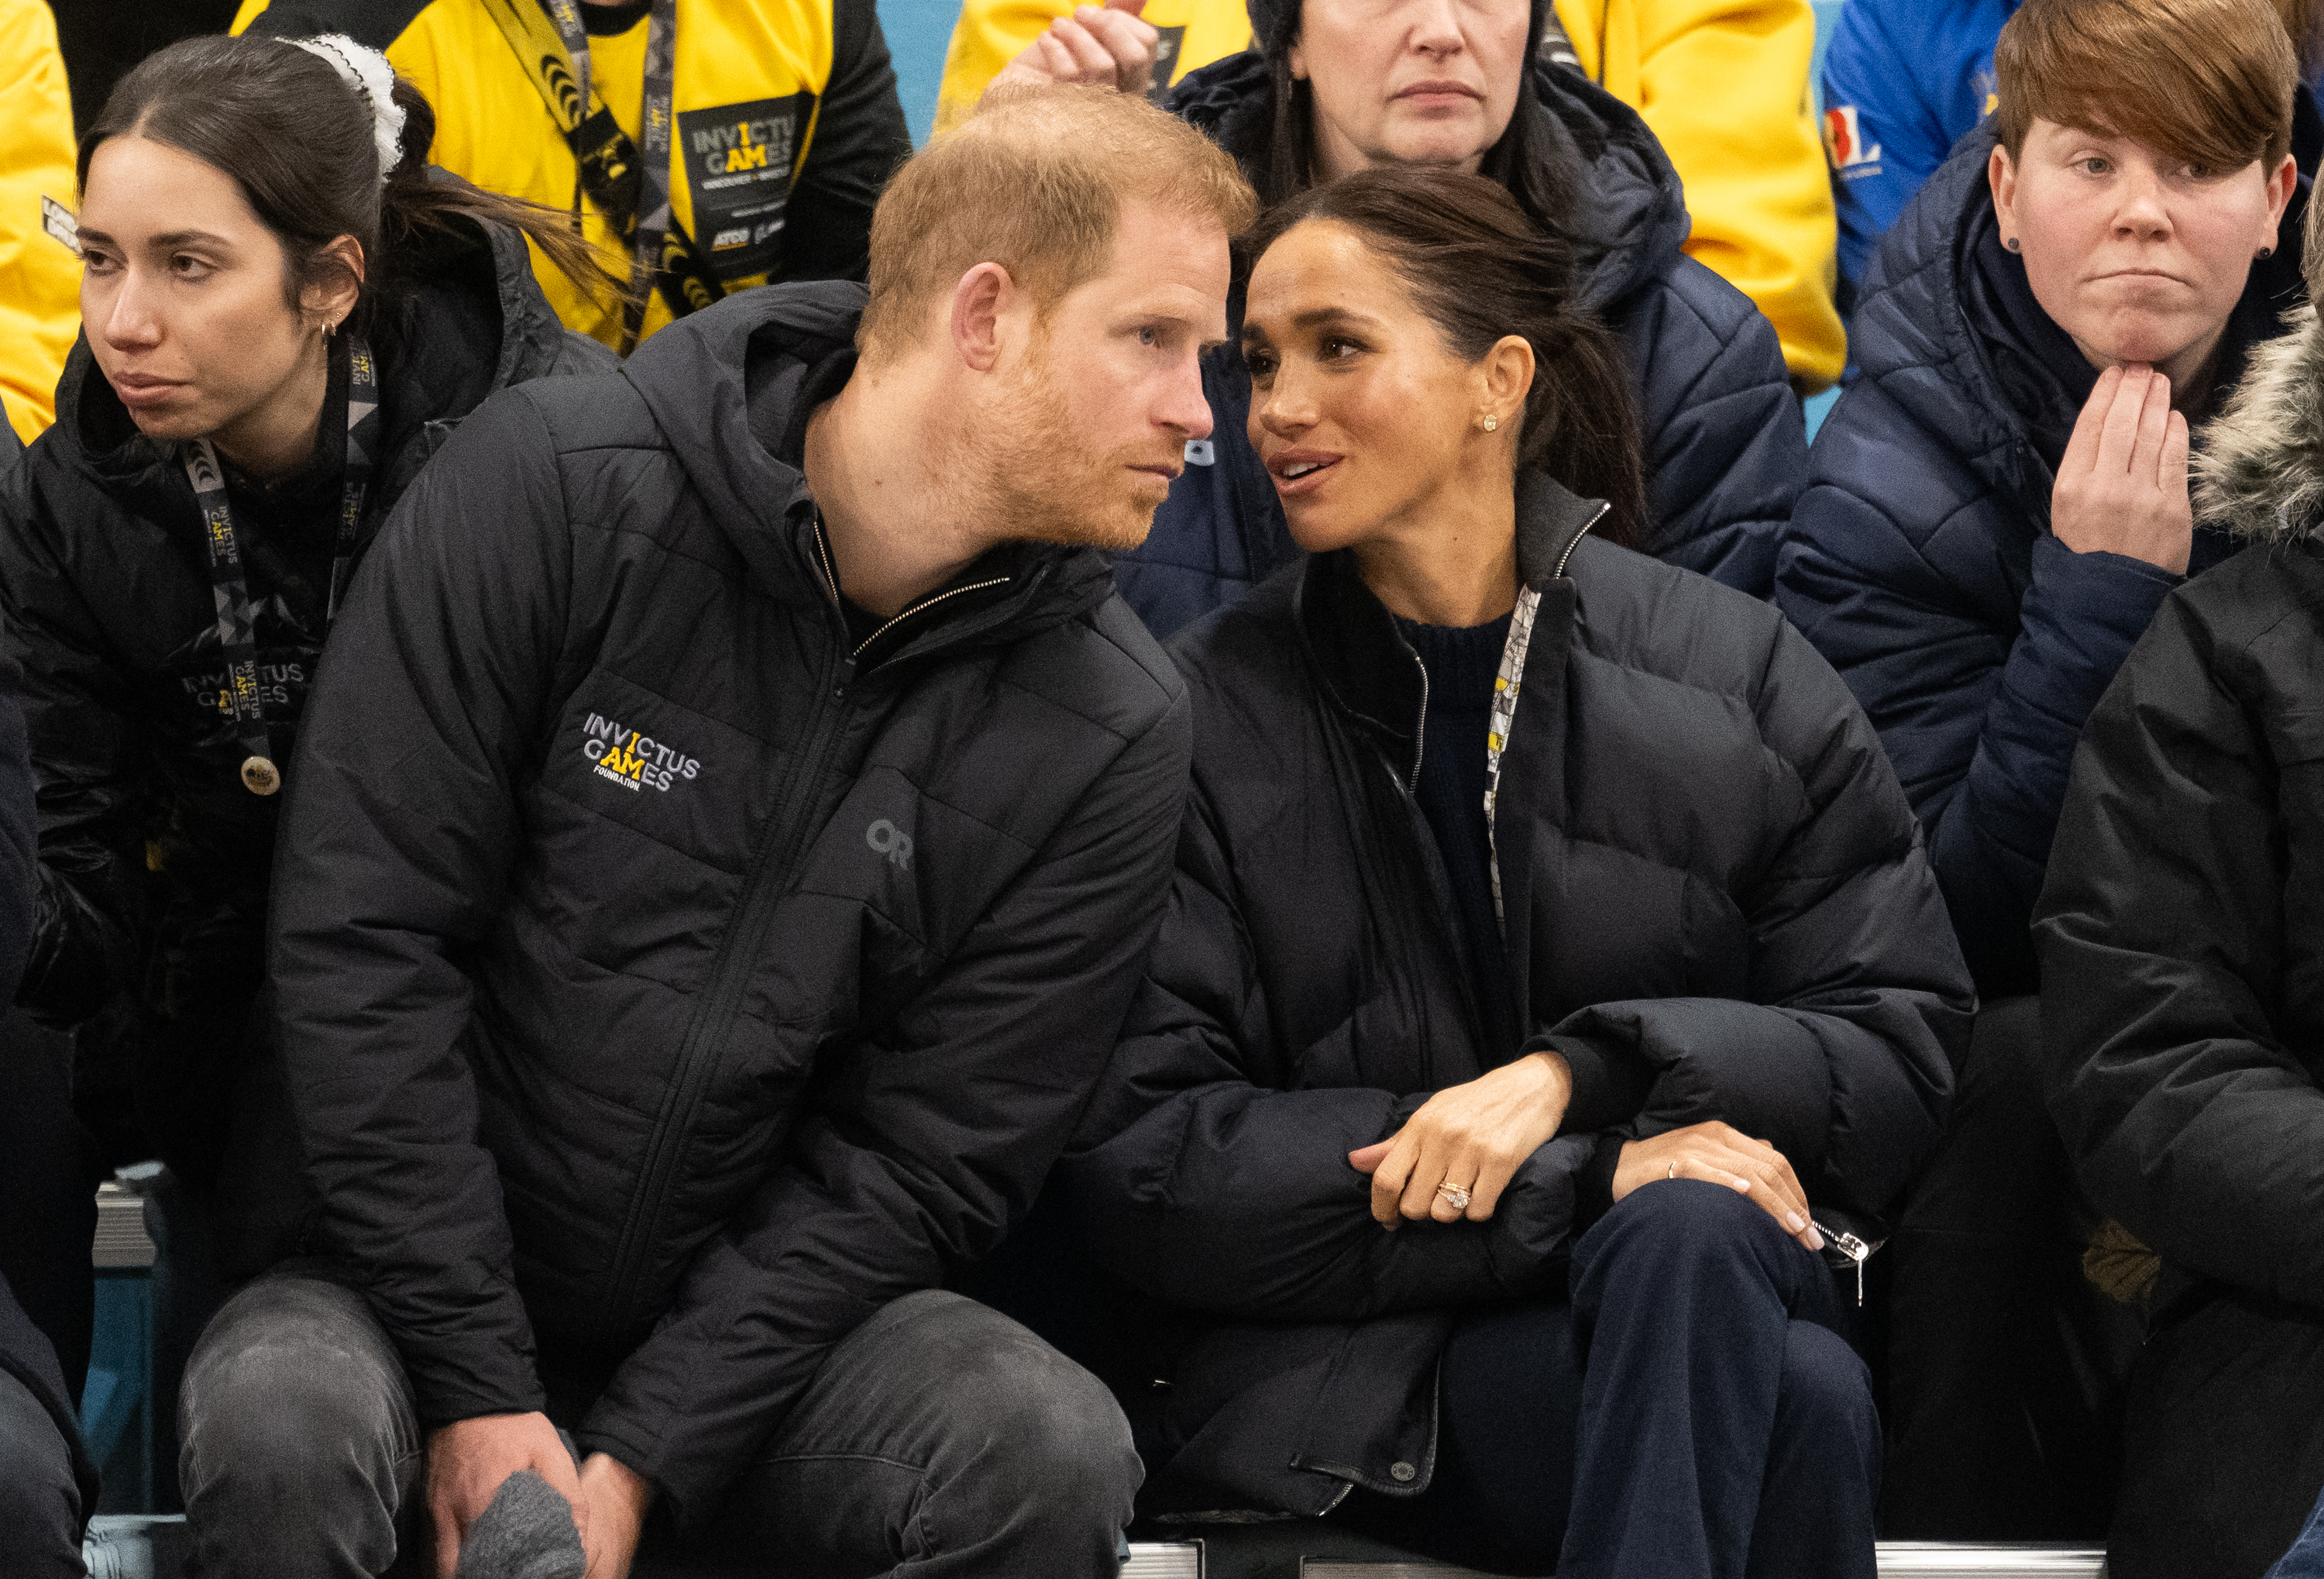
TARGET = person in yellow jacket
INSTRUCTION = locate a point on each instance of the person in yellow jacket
(40, 270)
(1723, 83)
(780, 118)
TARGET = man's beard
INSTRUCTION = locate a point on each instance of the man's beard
(1027, 474)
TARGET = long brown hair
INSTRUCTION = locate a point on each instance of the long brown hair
(1479, 269)
(298, 140)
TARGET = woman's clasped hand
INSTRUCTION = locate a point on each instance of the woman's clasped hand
(1455, 1156)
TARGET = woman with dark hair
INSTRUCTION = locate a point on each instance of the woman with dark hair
(1331, 87)
(284, 312)
(1550, 950)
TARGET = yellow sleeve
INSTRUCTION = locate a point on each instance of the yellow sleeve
(991, 33)
(248, 12)
(1724, 85)
(40, 277)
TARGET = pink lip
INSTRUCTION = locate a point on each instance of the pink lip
(142, 389)
(1323, 461)
(1438, 90)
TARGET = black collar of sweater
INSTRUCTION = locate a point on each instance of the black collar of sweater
(1362, 661)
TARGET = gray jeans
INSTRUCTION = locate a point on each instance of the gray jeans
(40, 1505)
(938, 1439)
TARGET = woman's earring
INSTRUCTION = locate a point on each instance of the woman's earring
(2012, 244)
(329, 329)
(1490, 423)
(2267, 251)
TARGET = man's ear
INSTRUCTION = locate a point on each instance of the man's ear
(978, 301)
(2001, 175)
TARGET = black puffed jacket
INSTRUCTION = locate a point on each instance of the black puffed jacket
(154, 858)
(1716, 896)
(667, 982)
(2181, 931)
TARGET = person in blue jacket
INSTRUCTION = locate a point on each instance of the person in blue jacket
(1995, 510)
(1330, 87)
(1905, 80)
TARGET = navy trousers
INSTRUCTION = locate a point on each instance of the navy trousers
(1688, 1412)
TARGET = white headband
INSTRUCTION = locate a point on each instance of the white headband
(366, 71)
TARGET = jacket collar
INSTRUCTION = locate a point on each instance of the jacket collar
(1365, 667)
(731, 389)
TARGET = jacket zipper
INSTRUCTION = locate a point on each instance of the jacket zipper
(708, 1035)
(731, 972)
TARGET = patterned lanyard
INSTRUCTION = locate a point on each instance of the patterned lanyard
(237, 618)
(1506, 685)
(655, 125)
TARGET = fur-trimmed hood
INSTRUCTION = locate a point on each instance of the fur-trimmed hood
(2259, 473)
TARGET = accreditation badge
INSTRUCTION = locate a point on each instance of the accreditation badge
(738, 169)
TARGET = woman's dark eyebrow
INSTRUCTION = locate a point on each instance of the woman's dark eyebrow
(169, 239)
(1318, 316)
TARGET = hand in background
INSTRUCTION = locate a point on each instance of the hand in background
(1473, 1136)
(2122, 487)
(467, 1459)
(1720, 1154)
(1110, 46)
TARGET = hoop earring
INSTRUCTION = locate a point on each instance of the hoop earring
(329, 329)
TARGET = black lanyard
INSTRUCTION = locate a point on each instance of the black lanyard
(238, 619)
(657, 124)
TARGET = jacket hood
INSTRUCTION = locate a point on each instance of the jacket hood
(461, 316)
(2260, 473)
(1942, 297)
(730, 389)
(1634, 204)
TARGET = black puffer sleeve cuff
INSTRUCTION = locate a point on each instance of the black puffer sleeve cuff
(1593, 1188)
(1611, 1084)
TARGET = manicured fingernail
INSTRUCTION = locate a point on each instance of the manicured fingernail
(1743, 1185)
(1794, 1222)
(1815, 1240)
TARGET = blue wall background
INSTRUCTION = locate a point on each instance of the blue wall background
(917, 32)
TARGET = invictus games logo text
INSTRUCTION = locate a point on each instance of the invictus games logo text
(633, 760)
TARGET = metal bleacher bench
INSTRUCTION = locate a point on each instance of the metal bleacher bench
(143, 1546)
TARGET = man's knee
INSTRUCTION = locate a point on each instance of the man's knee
(1040, 1428)
(293, 1389)
(40, 1502)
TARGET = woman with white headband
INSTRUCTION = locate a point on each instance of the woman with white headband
(284, 311)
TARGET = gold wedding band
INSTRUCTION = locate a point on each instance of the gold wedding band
(1673, 1172)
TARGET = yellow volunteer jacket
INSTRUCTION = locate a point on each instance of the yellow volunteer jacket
(39, 273)
(804, 89)
(991, 33)
(1723, 83)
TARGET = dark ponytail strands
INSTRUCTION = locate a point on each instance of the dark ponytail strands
(1479, 269)
(299, 140)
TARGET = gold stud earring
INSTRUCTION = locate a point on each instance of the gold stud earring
(1491, 423)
